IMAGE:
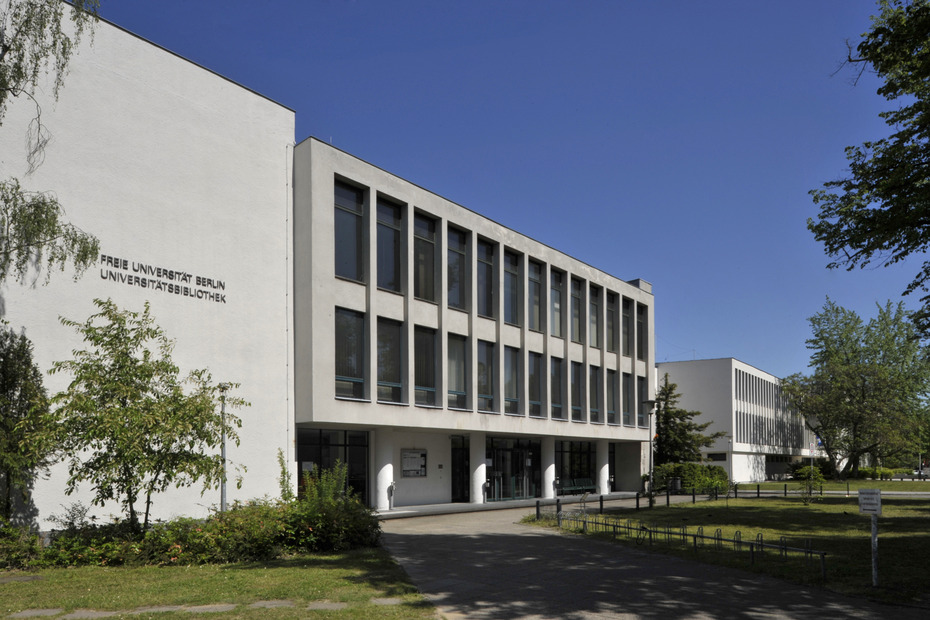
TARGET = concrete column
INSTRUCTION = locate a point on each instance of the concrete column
(603, 466)
(383, 465)
(477, 451)
(547, 462)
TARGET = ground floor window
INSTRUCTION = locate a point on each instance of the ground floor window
(514, 468)
(318, 448)
(575, 459)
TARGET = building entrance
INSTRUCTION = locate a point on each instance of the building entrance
(513, 468)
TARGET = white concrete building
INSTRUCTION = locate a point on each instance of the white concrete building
(470, 361)
(439, 354)
(762, 434)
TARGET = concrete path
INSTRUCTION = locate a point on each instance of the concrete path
(487, 565)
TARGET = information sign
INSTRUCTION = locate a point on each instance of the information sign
(870, 501)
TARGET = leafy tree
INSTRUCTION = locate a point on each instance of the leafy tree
(126, 422)
(36, 39)
(879, 212)
(679, 438)
(866, 392)
(25, 424)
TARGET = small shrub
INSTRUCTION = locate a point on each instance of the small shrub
(18, 546)
(810, 479)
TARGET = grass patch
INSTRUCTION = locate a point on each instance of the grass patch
(832, 524)
(904, 486)
(354, 578)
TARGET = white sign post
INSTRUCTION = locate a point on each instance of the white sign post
(870, 503)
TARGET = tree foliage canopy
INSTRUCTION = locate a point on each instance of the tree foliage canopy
(679, 438)
(866, 393)
(126, 422)
(880, 212)
(25, 425)
(37, 39)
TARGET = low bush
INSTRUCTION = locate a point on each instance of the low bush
(692, 475)
(18, 546)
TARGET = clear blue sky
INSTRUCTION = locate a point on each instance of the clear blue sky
(671, 141)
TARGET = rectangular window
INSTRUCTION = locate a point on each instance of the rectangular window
(594, 317)
(627, 327)
(577, 335)
(512, 288)
(555, 297)
(349, 232)
(350, 354)
(389, 246)
(611, 334)
(485, 376)
(641, 395)
(458, 269)
(612, 397)
(390, 361)
(577, 385)
(458, 372)
(641, 332)
(486, 279)
(512, 387)
(534, 297)
(627, 399)
(424, 342)
(424, 253)
(556, 382)
(535, 381)
(594, 393)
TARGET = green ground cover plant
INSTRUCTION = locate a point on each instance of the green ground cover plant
(832, 525)
(353, 577)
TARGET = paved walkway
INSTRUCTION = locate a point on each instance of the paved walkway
(487, 565)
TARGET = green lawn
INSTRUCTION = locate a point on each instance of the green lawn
(832, 524)
(909, 486)
(354, 578)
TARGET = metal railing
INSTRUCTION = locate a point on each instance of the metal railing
(697, 539)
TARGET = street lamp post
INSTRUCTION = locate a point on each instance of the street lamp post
(651, 406)
(223, 387)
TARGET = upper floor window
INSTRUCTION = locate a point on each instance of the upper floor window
(512, 288)
(349, 232)
(555, 296)
(594, 393)
(627, 327)
(424, 360)
(641, 395)
(350, 354)
(486, 279)
(556, 391)
(424, 254)
(486, 372)
(390, 361)
(642, 333)
(535, 381)
(611, 334)
(611, 404)
(577, 327)
(390, 269)
(627, 389)
(458, 372)
(594, 317)
(577, 380)
(534, 296)
(512, 387)
(458, 269)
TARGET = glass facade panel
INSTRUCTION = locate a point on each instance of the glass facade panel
(611, 335)
(577, 386)
(555, 299)
(534, 297)
(594, 317)
(627, 399)
(611, 397)
(556, 381)
(535, 381)
(594, 394)
(627, 327)
(577, 335)
(512, 288)
(642, 334)
(641, 395)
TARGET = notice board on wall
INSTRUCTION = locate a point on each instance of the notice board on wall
(413, 463)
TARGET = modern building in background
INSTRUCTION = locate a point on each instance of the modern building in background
(444, 357)
(763, 435)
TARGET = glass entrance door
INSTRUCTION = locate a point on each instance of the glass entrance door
(514, 469)
(460, 469)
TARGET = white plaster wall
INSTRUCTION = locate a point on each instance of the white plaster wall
(436, 487)
(171, 166)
